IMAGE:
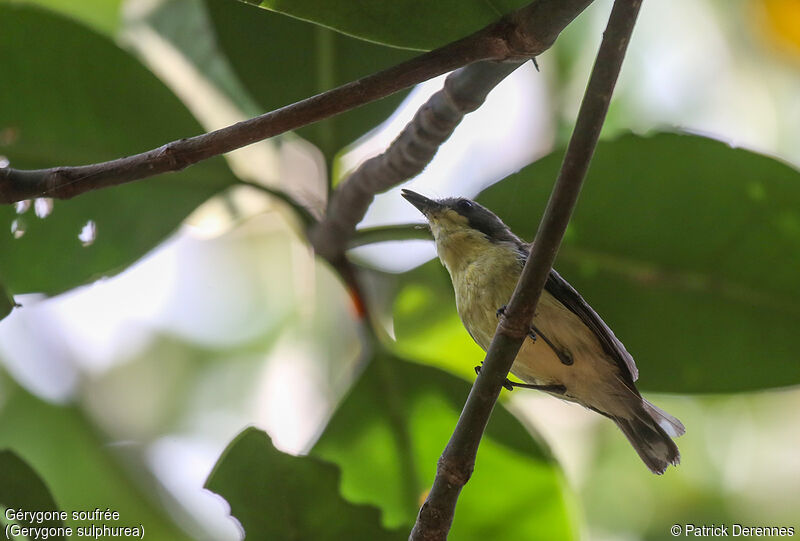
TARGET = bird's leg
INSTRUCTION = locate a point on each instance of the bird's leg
(508, 384)
(557, 389)
(563, 356)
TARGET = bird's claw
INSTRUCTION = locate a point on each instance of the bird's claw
(508, 384)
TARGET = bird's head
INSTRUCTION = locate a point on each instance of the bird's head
(461, 227)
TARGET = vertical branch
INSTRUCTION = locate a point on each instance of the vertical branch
(458, 459)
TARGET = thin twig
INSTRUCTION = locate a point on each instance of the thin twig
(386, 233)
(503, 40)
(303, 214)
(458, 459)
(533, 28)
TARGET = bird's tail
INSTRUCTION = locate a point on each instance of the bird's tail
(650, 430)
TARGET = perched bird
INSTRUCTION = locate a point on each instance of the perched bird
(570, 353)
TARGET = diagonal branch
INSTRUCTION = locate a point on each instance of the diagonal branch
(458, 459)
(533, 28)
(464, 91)
(513, 37)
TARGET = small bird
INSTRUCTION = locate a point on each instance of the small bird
(570, 352)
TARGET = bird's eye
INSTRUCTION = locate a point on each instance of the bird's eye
(464, 204)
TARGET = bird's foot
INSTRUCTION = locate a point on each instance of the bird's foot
(501, 311)
(508, 384)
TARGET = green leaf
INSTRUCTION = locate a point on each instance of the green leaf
(282, 60)
(82, 470)
(390, 430)
(279, 496)
(686, 247)
(6, 302)
(427, 325)
(102, 15)
(187, 26)
(22, 489)
(412, 24)
(77, 98)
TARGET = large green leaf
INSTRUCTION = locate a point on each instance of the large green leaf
(102, 15)
(21, 489)
(77, 98)
(187, 26)
(279, 496)
(426, 323)
(688, 248)
(413, 24)
(80, 468)
(282, 60)
(390, 430)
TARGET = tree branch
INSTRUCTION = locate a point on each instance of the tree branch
(386, 233)
(463, 92)
(458, 459)
(507, 39)
(532, 28)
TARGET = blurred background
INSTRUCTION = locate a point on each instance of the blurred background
(232, 322)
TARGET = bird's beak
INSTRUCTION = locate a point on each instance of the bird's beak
(423, 204)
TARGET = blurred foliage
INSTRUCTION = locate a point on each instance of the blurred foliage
(82, 471)
(187, 25)
(687, 247)
(411, 24)
(106, 106)
(427, 325)
(21, 488)
(392, 426)
(266, 48)
(279, 496)
(6, 302)
(101, 15)
(677, 240)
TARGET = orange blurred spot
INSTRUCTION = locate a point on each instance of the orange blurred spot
(423, 497)
(358, 304)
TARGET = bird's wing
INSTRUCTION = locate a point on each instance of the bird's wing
(566, 295)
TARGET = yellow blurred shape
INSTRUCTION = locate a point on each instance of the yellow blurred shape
(779, 23)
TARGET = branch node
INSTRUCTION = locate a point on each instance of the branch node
(456, 470)
(514, 327)
(461, 103)
(175, 156)
(523, 44)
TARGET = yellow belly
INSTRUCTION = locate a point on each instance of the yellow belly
(593, 378)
